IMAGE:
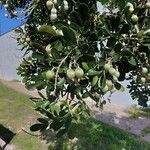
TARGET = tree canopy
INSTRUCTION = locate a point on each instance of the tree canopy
(79, 52)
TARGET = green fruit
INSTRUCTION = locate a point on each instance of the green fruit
(79, 72)
(143, 80)
(148, 4)
(49, 4)
(48, 48)
(109, 83)
(53, 17)
(105, 89)
(28, 39)
(131, 9)
(115, 78)
(112, 71)
(71, 74)
(107, 67)
(144, 70)
(50, 74)
(53, 10)
(134, 18)
(25, 44)
(129, 4)
(117, 74)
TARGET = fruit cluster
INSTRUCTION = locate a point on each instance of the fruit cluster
(114, 77)
(145, 75)
(51, 6)
(77, 73)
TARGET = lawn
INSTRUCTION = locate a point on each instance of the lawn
(16, 113)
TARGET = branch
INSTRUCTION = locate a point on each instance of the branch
(55, 86)
(30, 133)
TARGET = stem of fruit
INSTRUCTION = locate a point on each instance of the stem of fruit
(55, 86)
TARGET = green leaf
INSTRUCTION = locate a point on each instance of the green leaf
(42, 120)
(119, 87)
(132, 61)
(61, 82)
(57, 45)
(95, 80)
(61, 132)
(37, 127)
(103, 1)
(69, 35)
(85, 95)
(85, 66)
(92, 72)
(47, 29)
(102, 81)
(84, 12)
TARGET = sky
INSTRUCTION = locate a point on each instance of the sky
(7, 24)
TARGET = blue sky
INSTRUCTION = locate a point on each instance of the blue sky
(7, 24)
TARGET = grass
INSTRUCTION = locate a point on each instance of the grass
(135, 112)
(90, 134)
(16, 113)
(145, 131)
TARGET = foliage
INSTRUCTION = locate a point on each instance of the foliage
(78, 52)
(135, 112)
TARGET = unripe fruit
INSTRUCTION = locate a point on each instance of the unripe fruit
(109, 83)
(79, 72)
(131, 9)
(148, 75)
(53, 10)
(112, 71)
(48, 48)
(71, 74)
(117, 74)
(59, 32)
(28, 39)
(144, 70)
(66, 5)
(53, 17)
(115, 78)
(107, 67)
(25, 44)
(134, 18)
(49, 4)
(129, 4)
(143, 80)
(55, 2)
(22, 41)
(148, 4)
(50, 74)
(105, 89)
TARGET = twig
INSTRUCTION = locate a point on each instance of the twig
(55, 86)
(30, 133)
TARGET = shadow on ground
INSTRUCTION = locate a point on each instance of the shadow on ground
(6, 136)
(94, 135)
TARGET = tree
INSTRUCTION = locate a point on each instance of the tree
(78, 52)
